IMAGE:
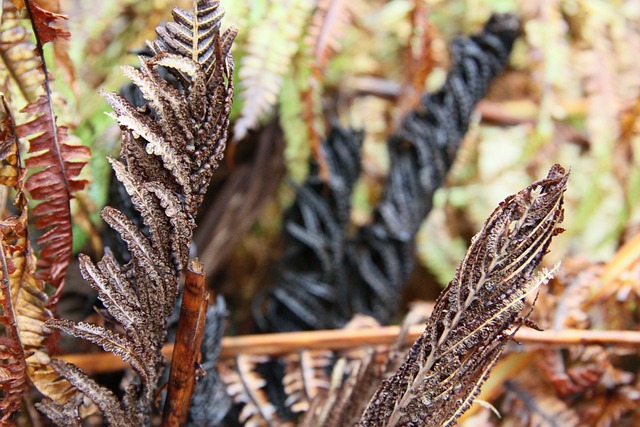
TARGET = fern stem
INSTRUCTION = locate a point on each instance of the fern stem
(186, 348)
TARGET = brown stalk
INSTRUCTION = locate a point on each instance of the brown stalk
(186, 350)
(339, 339)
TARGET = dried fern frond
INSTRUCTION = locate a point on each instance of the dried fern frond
(306, 376)
(477, 314)
(23, 301)
(246, 387)
(20, 62)
(421, 153)
(54, 186)
(13, 375)
(60, 162)
(327, 26)
(170, 149)
(327, 276)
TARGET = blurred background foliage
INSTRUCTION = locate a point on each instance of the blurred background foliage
(571, 95)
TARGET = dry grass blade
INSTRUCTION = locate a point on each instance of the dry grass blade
(477, 314)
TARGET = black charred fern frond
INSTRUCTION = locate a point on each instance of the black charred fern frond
(326, 277)
(476, 314)
(169, 149)
(305, 295)
(421, 152)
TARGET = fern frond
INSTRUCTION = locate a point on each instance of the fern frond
(306, 375)
(271, 46)
(170, 149)
(61, 163)
(305, 295)
(25, 312)
(246, 387)
(54, 184)
(193, 36)
(20, 61)
(328, 24)
(477, 314)
(13, 375)
(127, 349)
(62, 415)
(366, 271)
(23, 301)
(421, 153)
(41, 20)
(101, 396)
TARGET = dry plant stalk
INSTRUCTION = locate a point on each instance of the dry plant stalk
(477, 313)
(182, 379)
(341, 339)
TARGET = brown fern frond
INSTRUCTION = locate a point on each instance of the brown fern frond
(29, 308)
(127, 349)
(60, 162)
(169, 151)
(101, 396)
(53, 185)
(41, 20)
(13, 367)
(328, 24)
(23, 301)
(477, 314)
(306, 376)
(271, 46)
(246, 387)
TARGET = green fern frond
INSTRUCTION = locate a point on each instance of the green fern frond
(272, 44)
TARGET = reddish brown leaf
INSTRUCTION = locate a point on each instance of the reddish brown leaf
(328, 24)
(42, 20)
(61, 163)
(13, 377)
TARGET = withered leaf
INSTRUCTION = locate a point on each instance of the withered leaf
(24, 312)
(18, 57)
(246, 386)
(169, 151)
(476, 314)
(54, 184)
